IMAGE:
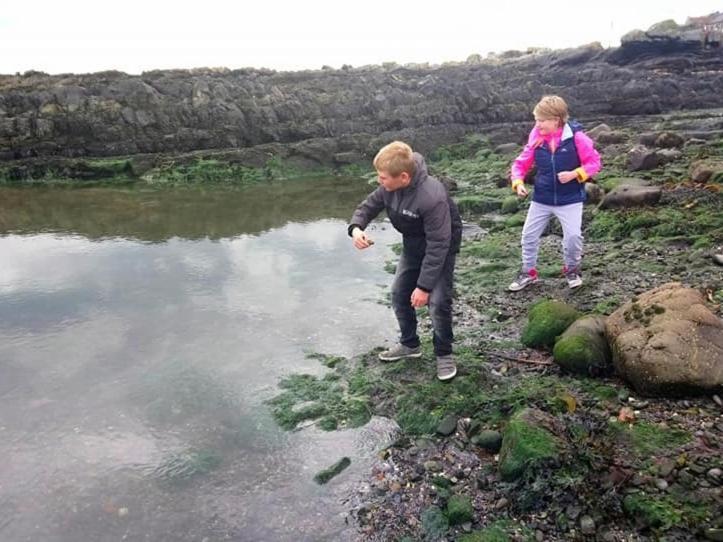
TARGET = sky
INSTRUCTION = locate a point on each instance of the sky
(82, 36)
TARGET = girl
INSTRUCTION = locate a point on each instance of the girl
(565, 158)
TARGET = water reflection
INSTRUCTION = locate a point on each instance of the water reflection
(190, 213)
(132, 374)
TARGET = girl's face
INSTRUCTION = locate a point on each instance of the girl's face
(547, 126)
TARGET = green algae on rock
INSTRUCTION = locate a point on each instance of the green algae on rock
(583, 348)
(546, 321)
(526, 442)
(322, 477)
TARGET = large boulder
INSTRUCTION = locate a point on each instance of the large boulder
(583, 347)
(626, 195)
(667, 341)
(530, 438)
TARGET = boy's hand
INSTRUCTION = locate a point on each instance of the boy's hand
(360, 239)
(419, 298)
(521, 191)
(567, 176)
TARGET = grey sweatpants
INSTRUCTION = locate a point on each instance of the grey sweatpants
(538, 216)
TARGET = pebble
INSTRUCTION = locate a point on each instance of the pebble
(718, 401)
(666, 468)
(539, 536)
(502, 503)
(714, 534)
(661, 484)
(432, 466)
(573, 512)
(587, 525)
(715, 475)
(448, 425)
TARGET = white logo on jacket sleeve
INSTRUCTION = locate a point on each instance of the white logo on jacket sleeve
(407, 212)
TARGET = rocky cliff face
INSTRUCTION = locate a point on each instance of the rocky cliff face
(112, 113)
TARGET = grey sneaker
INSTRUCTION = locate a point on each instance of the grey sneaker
(574, 280)
(399, 351)
(446, 368)
(523, 280)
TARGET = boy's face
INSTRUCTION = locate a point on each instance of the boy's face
(391, 183)
(547, 126)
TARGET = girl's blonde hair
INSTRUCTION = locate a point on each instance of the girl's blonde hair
(394, 159)
(551, 108)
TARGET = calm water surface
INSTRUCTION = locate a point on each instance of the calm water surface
(140, 334)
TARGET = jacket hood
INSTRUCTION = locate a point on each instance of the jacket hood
(420, 171)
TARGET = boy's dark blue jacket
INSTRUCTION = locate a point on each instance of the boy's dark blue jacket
(548, 189)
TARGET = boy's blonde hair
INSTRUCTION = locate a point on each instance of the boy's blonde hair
(551, 108)
(395, 159)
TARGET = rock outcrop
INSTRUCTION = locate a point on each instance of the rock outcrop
(113, 114)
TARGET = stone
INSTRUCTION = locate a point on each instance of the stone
(703, 171)
(641, 158)
(583, 348)
(624, 196)
(598, 130)
(666, 468)
(715, 475)
(667, 342)
(508, 148)
(668, 155)
(669, 140)
(432, 466)
(531, 436)
(595, 192)
(713, 534)
(718, 259)
(587, 525)
(546, 320)
(489, 440)
(459, 510)
(448, 425)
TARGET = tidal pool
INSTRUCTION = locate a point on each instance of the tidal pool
(141, 332)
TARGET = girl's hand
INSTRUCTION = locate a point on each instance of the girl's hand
(566, 176)
(521, 191)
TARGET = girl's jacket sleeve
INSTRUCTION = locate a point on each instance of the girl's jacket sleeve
(523, 163)
(590, 164)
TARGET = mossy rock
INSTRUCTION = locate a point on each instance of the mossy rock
(583, 348)
(459, 510)
(652, 512)
(546, 321)
(478, 204)
(510, 205)
(434, 523)
(528, 440)
(327, 474)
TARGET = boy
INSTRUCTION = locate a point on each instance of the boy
(420, 208)
(565, 158)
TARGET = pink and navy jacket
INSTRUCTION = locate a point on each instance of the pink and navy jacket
(567, 149)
